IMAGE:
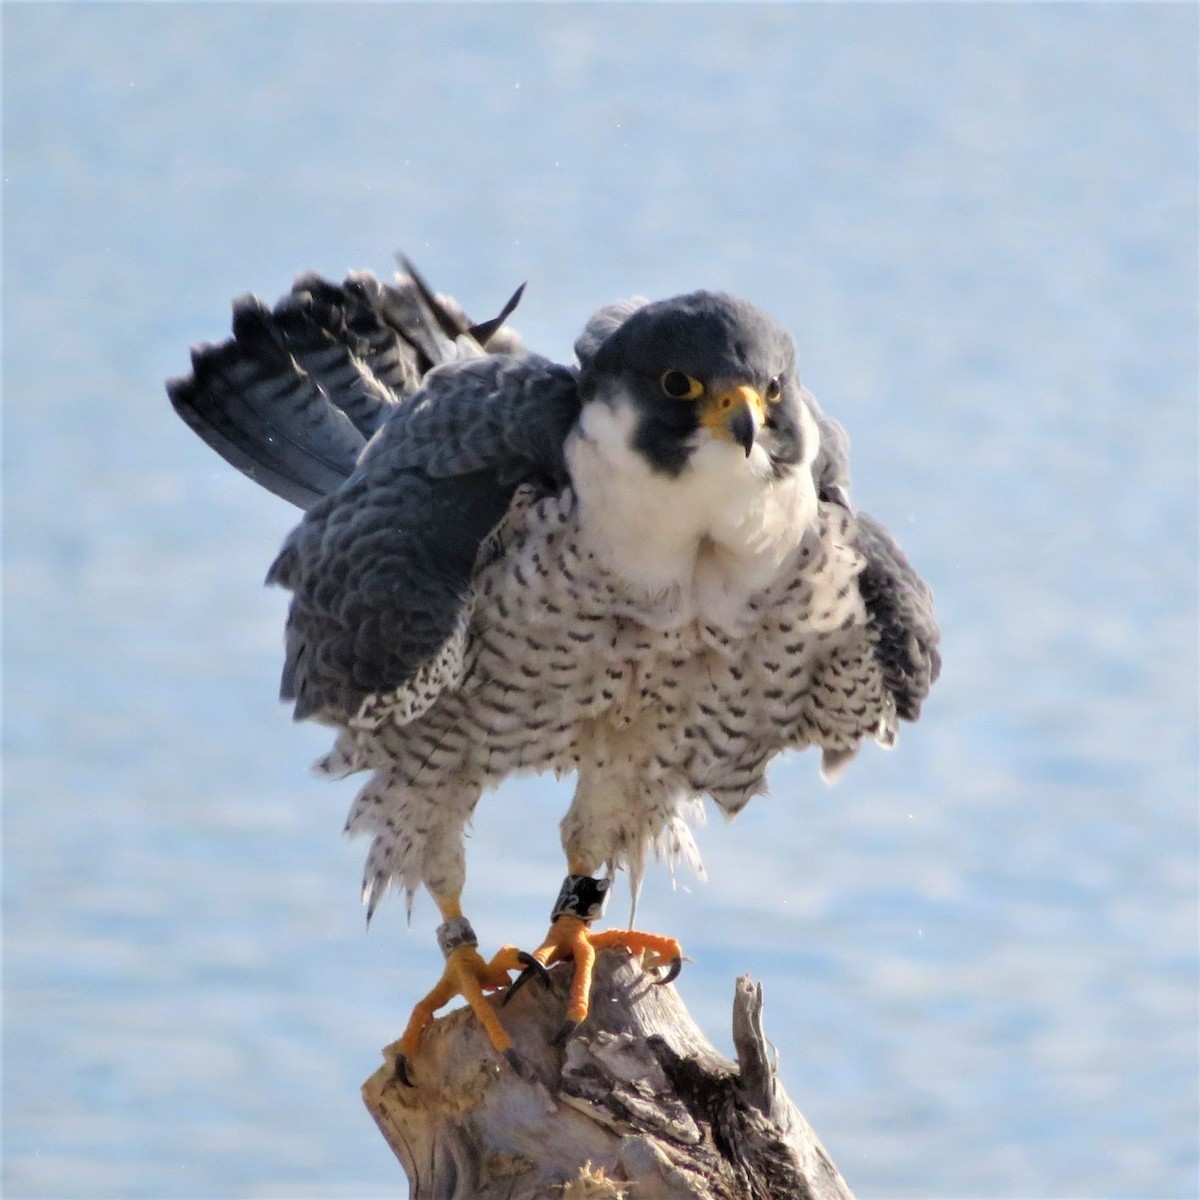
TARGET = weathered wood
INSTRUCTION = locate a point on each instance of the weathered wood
(637, 1103)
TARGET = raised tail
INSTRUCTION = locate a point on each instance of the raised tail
(294, 396)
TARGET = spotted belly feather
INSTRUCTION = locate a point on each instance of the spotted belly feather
(560, 671)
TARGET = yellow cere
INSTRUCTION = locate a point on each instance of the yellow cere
(720, 409)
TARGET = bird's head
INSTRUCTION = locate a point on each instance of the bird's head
(701, 369)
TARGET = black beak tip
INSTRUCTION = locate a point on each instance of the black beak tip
(743, 431)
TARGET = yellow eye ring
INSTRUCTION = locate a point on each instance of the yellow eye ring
(774, 390)
(680, 386)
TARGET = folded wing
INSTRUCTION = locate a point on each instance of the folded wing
(900, 606)
(381, 570)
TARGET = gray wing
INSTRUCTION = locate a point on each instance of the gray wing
(898, 601)
(900, 606)
(831, 467)
(381, 570)
(293, 397)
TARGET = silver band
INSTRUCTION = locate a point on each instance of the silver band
(454, 934)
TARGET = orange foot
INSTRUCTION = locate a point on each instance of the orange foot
(571, 937)
(466, 975)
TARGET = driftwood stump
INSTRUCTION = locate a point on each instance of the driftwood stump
(636, 1104)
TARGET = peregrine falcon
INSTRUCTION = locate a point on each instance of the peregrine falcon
(643, 570)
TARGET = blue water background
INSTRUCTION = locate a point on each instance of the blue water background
(979, 952)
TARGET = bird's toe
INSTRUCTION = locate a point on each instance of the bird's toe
(672, 973)
(402, 1068)
(533, 969)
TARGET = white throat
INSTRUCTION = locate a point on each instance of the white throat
(692, 546)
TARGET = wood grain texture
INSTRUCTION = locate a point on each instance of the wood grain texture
(636, 1104)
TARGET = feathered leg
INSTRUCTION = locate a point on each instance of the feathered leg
(580, 902)
(616, 817)
(467, 975)
(419, 840)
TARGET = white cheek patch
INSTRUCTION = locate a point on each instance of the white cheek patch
(810, 437)
(644, 523)
(699, 543)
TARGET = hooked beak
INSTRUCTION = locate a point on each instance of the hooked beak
(737, 414)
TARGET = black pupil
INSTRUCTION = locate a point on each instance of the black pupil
(773, 388)
(676, 383)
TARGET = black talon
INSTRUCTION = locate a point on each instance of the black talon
(672, 973)
(534, 964)
(519, 1065)
(567, 1028)
(401, 1068)
(532, 967)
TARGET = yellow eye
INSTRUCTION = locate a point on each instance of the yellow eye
(774, 390)
(679, 386)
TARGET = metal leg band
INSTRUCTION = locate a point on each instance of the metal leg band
(455, 934)
(581, 896)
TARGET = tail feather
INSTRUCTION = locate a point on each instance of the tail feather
(294, 396)
(346, 380)
(401, 308)
(251, 402)
(352, 312)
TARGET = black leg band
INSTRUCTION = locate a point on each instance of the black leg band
(454, 934)
(581, 896)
